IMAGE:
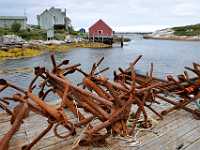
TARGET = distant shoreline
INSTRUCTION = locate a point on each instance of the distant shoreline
(141, 33)
(182, 33)
(173, 37)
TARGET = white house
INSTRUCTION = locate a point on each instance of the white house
(53, 18)
(7, 21)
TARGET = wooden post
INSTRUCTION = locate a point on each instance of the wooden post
(122, 42)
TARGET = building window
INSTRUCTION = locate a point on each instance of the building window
(100, 32)
(54, 19)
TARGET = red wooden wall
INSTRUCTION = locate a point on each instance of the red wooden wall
(100, 28)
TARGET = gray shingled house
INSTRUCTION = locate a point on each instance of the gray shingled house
(52, 18)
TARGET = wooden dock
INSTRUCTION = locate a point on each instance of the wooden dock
(178, 131)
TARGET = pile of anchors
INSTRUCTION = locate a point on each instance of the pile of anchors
(110, 102)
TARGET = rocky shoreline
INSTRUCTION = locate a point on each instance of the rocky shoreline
(36, 48)
(14, 47)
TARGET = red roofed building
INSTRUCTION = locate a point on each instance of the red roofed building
(101, 32)
(100, 28)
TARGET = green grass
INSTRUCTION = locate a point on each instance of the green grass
(190, 30)
(5, 31)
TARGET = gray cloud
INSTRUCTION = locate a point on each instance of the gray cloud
(132, 15)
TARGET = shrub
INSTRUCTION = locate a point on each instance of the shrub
(32, 35)
(16, 27)
(59, 36)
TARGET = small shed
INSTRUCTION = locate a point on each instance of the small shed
(101, 32)
(82, 30)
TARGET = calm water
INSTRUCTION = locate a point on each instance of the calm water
(169, 57)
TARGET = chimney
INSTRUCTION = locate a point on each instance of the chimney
(65, 12)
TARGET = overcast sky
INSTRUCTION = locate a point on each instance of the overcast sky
(121, 15)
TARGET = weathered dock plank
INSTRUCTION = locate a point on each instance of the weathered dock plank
(185, 140)
(177, 129)
(194, 146)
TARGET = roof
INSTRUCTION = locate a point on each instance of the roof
(52, 11)
(46, 11)
(101, 21)
(55, 9)
(13, 18)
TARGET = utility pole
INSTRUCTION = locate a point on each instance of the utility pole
(25, 12)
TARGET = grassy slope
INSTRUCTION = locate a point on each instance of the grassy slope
(190, 30)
